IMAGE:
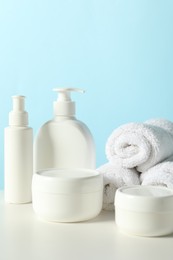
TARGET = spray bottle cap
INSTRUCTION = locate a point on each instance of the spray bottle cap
(64, 106)
(18, 116)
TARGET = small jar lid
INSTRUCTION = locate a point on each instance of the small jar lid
(67, 180)
(144, 198)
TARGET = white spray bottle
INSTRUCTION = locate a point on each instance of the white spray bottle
(64, 142)
(18, 155)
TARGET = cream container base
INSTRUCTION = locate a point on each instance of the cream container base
(144, 224)
(144, 210)
(67, 195)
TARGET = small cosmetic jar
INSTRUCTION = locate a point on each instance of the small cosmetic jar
(67, 195)
(144, 210)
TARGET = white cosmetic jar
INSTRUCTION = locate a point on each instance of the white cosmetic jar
(67, 195)
(144, 210)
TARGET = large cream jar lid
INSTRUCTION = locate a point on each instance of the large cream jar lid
(68, 180)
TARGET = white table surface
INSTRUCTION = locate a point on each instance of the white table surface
(25, 237)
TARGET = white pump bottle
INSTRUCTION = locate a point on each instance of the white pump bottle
(18, 155)
(64, 142)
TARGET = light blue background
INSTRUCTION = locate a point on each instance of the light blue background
(120, 51)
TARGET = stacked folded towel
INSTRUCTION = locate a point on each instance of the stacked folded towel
(138, 153)
(114, 177)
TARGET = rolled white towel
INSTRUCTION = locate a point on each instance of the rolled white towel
(160, 174)
(113, 178)
(140, 145)
(163, 123)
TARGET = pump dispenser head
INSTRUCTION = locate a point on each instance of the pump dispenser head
(64, 106)
(18, 116)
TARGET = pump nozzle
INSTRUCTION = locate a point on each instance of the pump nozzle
(18, 103)
(18, 116)
(64, 106)
(64, 93)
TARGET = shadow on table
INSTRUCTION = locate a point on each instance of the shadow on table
(104, 216)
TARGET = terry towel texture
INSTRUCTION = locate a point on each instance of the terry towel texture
(141, 145)
(137, 153)
(160, 174)
(113, 178)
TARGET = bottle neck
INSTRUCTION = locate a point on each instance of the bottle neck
(64, 108)
(62, 118)
(18, 118)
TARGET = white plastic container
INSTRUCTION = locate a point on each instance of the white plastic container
(64, 141)
(144, 210)
(18, 155)
(67, 195)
